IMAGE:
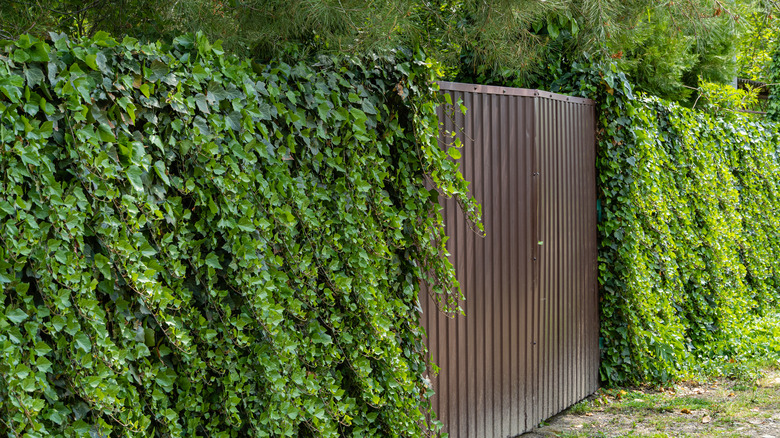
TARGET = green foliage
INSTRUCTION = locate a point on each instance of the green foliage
(656, 59)
(773, 77)
(689, 248)
(196, 246)
(139, 18)
(665, 54)
(757, 43)
(661, 47)
(270, 29)
(763, 344)
(725, 101)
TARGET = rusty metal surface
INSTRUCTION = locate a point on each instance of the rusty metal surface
(528, 345)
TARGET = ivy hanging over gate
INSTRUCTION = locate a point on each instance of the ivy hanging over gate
(193, 245)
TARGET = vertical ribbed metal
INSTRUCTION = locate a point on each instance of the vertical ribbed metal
(528, 345)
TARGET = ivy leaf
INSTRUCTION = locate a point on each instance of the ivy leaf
(34, 76)
(11, 87)
(323, 110)
(25, 41)
(100, 60)
(362, 186)
(159, 70)
(16, 315)
(234, 121)
(131, 112)
(213, 261)
(165, 379)
(21, 56)
(291, 96)
(203, 105)
(104, 39)
(82, 342)
(42, 349)
(159, 168)
(103, 265)
(552, 29)
(106, 134)
(186, 41)
(91, 61)
(368, 107)
(321, 337)
(43, 364)
(359, 115)
(134, 174)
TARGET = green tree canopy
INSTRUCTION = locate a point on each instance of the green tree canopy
(758, 42)
(664, 46)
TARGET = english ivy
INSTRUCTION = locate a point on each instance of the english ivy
(773, 76)
(196, 246)
(689, 248)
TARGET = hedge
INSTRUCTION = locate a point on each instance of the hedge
(194, 245)
(689, 251)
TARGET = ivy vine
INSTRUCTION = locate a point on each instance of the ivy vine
(193, 245)
(773, 75)
(689, 249)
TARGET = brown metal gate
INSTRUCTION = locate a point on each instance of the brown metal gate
(528, 345)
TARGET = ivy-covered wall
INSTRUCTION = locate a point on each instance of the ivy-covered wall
(773, 76)
(195, 246)
(689, 251)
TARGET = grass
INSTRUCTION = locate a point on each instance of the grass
(639, 402)
(721, 408)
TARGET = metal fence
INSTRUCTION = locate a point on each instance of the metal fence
(528, 345)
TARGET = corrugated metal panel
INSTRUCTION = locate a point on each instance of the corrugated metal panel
(528, 345)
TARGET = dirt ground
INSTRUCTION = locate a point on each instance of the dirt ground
(721, 408)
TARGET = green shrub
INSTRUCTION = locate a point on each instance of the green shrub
(194, 246)
(725, 101)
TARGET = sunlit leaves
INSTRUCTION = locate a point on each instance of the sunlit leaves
(689, 249)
